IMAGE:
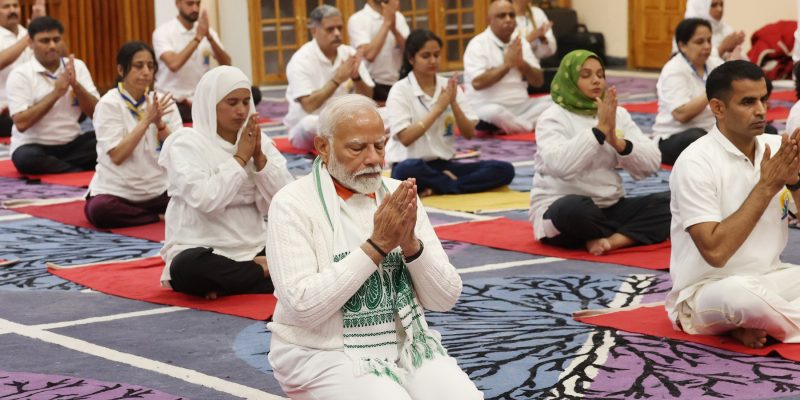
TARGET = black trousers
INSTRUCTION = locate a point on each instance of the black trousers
(381, 92)
(5, 124)
(644, 219)
(673, 146)
(75, 156)
(199, 271)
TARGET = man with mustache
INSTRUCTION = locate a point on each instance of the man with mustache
(320, 70)
(184, 47)
(731, 191)
(497, 71)
(354, 261)
(46, 96)
(14, 50)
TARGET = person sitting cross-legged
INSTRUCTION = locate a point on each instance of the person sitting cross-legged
(424, 111)
(577, 199)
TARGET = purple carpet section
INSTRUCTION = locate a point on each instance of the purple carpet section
(19, 189)
(23, 385)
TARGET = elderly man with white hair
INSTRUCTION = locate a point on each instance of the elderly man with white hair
(320, 70)
(354, 261)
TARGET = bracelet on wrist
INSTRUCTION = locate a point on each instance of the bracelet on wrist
(795, 187)
(335, 83)
(416, 255)
(236, 156)
(377, 248)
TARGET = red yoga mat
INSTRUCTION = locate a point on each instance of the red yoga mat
(784, 95)
(284, 146)
(652, 320)
(514, 137)
(777, 113)
(77, 179)
(5, 140)
(139, 280)
(506, 234)
(650, 107)
(71, 213)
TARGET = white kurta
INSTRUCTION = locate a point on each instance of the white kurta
(8, 39)
(139, 177)
(677, 85)
(362, 27)
(174, 37)
(407, 104)
(569, 160)
(27, 85)
(710, 182)
(505, 103)
(525, 26)
(214, 202)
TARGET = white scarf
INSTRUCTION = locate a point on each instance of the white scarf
(371, 335)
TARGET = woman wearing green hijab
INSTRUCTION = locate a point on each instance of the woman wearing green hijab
(577, 198)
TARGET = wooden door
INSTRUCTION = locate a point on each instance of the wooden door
(651, 29)
(456, 22)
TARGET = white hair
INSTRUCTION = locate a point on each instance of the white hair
(340, 109)
(322, 12)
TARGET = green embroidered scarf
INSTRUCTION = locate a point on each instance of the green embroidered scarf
(564, 88)
(371, 335)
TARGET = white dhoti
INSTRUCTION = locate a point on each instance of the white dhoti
(312, 374)
(520, 117)
(770, 302)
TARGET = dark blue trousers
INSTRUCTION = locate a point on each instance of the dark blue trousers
(473, 177)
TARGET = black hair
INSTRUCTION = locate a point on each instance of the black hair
(414, 43)
(44, 24)
(686, 29)
(720, 81)
(128, 51)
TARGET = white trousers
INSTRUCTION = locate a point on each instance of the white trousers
(302, 134)
(311, 374)
(770, 302)
(515, 118)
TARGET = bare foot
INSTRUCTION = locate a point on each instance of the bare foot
(161, 217)
(262, 261)
(211, 296)
(598, 247)
(450, 175)
(753, 338)
(427, 192)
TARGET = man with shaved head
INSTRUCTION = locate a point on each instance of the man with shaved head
(497, 71)
(354, 261)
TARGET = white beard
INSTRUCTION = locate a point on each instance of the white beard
(355, 181)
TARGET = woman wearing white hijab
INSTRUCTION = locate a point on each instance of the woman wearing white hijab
(725, 41)
(222, 176)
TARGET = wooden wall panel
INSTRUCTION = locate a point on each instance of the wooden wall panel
(95, 29)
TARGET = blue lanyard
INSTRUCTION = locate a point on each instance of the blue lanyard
(51, 76)
(705, 67)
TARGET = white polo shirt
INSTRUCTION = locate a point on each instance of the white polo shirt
(485, 51)
(793, 121)
(27, 85)
(526, 26)
(309, 70)
(407, 104)
(709, 182)
(677, 85)
(8, 39)
(362, 27)
(139, 177)
(172, 36)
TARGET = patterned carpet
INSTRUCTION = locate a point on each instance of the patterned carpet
(511, 330)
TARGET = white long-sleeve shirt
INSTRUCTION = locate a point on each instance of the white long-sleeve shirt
(570, 160)
(214, 202)
(311, 288)
(540, 49)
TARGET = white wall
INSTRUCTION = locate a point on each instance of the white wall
(611, 18)
(230, 18)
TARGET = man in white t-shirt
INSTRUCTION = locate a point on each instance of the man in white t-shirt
(379, 32)
(14, 50)
(320, 70)
(497, 71)
(46, 96)
(184, 47)
(731, 191)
